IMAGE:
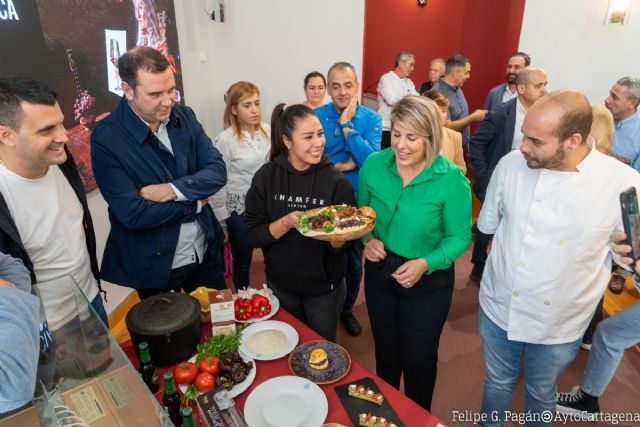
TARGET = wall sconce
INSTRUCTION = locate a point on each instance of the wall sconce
(422, 3)
(618, 12)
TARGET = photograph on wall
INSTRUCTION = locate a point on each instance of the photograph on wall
(74, 45)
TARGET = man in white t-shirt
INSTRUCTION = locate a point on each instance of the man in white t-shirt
(44, 216)
(394, 86)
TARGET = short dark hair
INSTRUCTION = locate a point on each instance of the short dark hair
(14, 90)
(140, 58)
(312, 75)
(527, 58)
(456, 61)
(577, 113)
(284, 122)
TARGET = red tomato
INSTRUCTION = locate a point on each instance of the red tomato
(205, 382)
(209, 364)
(185, 372)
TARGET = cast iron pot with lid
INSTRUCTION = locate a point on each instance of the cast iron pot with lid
(169, 323)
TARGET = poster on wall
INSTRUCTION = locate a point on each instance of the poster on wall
(74, 46)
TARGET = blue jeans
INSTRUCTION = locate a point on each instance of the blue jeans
(241, 250)
(502, 359)
(613, 336)
(354, 275)
(98, 306)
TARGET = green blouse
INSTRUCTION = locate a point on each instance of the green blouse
(430, 218)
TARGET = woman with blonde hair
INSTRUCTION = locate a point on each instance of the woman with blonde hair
(244, 145)
(451, 139)
(423, 223)
(602, 128)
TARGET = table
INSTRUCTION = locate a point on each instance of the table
(409, 412)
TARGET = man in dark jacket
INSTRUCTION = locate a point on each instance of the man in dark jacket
(498, 134)
(156, 168)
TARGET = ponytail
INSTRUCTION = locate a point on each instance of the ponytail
(284, 121)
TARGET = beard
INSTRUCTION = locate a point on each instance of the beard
(511, 78)
(549, 163)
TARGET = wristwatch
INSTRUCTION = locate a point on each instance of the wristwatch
(346, 125)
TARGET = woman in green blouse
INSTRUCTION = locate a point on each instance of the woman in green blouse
(423, 206)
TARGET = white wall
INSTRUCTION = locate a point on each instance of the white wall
(568, 39)
(272, 43)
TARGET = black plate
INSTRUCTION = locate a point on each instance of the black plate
(356, 406)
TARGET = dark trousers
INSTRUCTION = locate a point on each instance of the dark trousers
(406, 326)
(353, 276)
(386, 139)
(241, 250)
(480, 248)
(320, 312)
(189, 277)
(597, 317)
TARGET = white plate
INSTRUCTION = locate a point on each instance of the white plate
(286, 402)
(285, 328)
(275, 306)
(238, 388)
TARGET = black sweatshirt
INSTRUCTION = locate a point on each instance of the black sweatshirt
(295, 263)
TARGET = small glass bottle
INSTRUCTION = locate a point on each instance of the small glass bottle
(171, 399)
(187, 417)
(147, 368)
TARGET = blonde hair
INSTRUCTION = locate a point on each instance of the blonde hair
(236, 93)
(602, 128)
(422, 117)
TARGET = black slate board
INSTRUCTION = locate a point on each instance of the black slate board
(355, 406)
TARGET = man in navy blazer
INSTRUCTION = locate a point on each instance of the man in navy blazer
(497, 135)
(156, 168)
(500, 94)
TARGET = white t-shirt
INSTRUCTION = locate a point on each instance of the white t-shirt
(49, 218)
(392, 89)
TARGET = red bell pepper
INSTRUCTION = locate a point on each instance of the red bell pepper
(261, 305)
(243, 309)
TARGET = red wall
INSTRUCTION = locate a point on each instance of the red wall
(486, 31)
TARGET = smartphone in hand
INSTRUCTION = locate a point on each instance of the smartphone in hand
(631, 220)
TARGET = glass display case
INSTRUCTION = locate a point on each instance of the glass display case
(83, 377)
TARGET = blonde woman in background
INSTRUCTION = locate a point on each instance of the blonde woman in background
(451, 139)
(245, 146)
(602, 128)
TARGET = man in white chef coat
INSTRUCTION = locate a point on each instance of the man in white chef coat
(552, 206)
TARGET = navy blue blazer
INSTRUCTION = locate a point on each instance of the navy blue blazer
(143, 237)
(494, 98)
(491, 141)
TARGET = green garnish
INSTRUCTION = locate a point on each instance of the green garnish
(328, 228)
(189, 395)
(218, 344)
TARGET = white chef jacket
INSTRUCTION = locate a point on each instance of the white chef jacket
(392, 89)
(550, 259)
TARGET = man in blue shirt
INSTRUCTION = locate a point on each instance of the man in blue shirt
(458, 70)
(352, 132)
(623, 101)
